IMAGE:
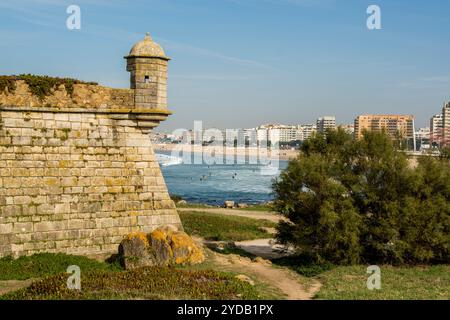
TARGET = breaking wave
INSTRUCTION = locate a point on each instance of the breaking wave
(166, 160)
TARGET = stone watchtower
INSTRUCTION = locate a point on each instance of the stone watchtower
(147, 64)
(77, 168)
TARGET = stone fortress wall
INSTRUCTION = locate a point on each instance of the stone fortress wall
(77, 171)
(84, 96)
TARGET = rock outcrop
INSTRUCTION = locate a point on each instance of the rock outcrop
(228, 204)
(162, 247)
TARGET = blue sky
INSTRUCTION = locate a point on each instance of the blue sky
(240, 63)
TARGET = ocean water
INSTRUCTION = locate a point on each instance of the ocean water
(214, 184)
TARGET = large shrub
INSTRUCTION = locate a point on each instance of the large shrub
(352, 201)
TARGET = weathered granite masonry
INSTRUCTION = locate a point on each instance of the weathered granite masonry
(77, 172)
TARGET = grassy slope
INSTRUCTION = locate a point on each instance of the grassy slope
(350, 282)
(217, 227)
(144, 283)
(105, 281)
(411, 283)
(108, 281)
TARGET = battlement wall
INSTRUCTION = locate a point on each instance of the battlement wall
(81, 96)
(77, 171)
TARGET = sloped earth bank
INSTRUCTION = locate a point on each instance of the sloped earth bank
(293, 286)
(286, 281)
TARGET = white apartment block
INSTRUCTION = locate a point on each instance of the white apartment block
(349, 128)
(423, 138)
(284, 133)
(306, 131)
(324, 123)
(268, 133)
(423, 133)
(436, 129)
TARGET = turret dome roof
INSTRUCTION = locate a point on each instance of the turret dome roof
(147, 48)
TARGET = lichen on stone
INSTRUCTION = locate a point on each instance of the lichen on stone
(140, 235)
(165, 246)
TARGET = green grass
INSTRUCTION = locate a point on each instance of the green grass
(257, 207)
(350, 282)
(100, 280)
(144, 283)
(193, 205)
(217, 227)
(264, 290)
(45, 264)
(399, 283)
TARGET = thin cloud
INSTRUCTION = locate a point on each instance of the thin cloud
(123, 35)
(301, 3)
(209, 77)
(35, 12)
(444, 78)
(182, 47)
(428, 82)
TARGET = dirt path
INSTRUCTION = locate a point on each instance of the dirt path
(287, 281)
(264, 248)
(262, 215)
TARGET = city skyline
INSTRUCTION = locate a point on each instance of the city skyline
(268, 61)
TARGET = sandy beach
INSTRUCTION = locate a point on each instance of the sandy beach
(238, 151)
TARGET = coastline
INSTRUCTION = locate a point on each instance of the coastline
(285, 155)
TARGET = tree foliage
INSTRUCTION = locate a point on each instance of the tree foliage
(352, 201)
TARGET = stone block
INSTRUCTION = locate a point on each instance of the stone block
(23, 227)
(20, 200)
(6, 228)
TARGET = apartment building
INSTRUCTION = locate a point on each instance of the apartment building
(396, 126)
(446, 125)
(436, 129)
(324, 123)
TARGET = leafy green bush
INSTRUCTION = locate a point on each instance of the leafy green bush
(40, 86)
(143, 283)
(351, 201)
(45, 264)
(445, 153)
